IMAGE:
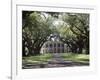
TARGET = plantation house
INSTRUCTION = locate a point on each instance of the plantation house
(54, 45)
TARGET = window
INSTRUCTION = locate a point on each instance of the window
(54, 44)
(50, 45)
(58, 44)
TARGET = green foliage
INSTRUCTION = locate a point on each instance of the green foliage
(72, 29)
(76, 32)
(36, 30)
(82, 58)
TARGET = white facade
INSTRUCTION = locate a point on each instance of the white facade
(54, 47)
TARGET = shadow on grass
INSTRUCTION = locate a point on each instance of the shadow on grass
(46, 61)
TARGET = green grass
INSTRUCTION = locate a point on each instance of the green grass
(43, 58)
(82, 58)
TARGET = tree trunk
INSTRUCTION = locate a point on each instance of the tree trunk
(80, 50)
(30, 51)
(23, 48)
(87, 46)
(23, 51)
(37, 51)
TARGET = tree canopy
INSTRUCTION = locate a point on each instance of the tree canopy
(37, 27)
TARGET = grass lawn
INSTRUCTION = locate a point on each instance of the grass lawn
(43, 58)
(82, 58)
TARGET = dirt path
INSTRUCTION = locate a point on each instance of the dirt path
(56, 61)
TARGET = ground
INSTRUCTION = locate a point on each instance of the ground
(55, 60)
